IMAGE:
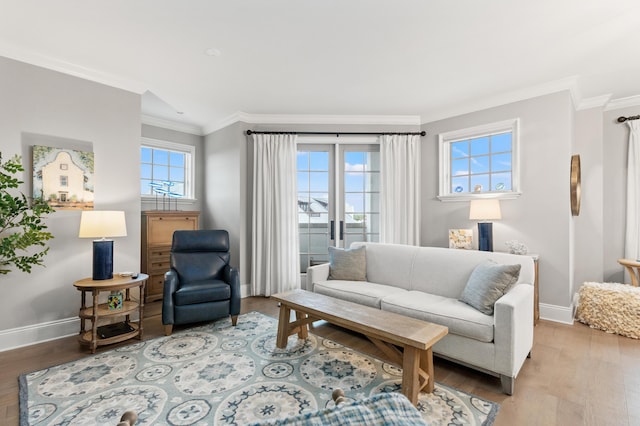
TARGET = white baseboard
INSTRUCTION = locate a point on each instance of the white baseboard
(24, 336)
(556, 313)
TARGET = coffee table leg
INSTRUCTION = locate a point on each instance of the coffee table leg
(426, 364)
(283, 326)
(410, 373)
(304, 330)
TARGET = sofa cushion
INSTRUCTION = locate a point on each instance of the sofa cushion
(202, 292)
(389, 264)
(487, 283)
(461, 318)
(347, 264)
(362, 292)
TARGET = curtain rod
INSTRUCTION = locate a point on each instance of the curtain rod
(253, 132)
(623, 119)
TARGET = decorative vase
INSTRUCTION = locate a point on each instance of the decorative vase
(516, 247)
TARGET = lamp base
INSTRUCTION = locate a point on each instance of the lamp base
(103, 260)
(485, 236)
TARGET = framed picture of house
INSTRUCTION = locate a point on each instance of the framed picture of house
(63, 177)
(461, 238)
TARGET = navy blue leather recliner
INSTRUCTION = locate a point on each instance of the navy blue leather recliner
(201, 286)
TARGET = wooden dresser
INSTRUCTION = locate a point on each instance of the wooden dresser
(157, 233)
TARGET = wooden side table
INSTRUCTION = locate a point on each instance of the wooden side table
(536, 297)
(633, 268)
(97, 311)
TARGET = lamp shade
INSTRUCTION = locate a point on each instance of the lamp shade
(102, 224)
(486, 209)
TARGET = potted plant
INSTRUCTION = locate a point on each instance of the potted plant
(23, 232)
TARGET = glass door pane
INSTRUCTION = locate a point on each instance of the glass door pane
(315, 213)
(360, 193)
(353, 194)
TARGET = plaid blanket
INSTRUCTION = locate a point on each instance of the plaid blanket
(392, 409)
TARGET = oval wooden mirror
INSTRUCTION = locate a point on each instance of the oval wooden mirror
(575, 185)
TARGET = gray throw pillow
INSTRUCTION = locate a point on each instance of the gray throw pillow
(347, 264)
(487, 283)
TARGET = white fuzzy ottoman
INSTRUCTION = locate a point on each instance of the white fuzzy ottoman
(611, 307)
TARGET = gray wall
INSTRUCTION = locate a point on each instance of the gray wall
(225, 203)
(43, 105)
(153, 132)
(541, 216)
(589, 225)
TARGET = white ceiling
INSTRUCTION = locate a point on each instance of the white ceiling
(426, 58)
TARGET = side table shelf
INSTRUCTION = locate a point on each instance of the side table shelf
(100, 314)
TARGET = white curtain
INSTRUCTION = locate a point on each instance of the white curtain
(274, 262)
(632, 235)
(400, 189)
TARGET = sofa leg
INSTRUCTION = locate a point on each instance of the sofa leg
(508, 383)
(168, 329)
(234, 320)
(529, 354)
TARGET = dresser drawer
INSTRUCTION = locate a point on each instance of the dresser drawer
(159, 252)
(155, 287)
(159, 266)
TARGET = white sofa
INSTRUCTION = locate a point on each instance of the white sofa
(426, 282)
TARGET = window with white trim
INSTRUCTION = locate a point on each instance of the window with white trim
(166, 169)
(480, 161)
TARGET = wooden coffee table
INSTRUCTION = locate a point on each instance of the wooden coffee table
(387, 330)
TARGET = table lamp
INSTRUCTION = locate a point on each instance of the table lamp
(102, 225)
(484, 210)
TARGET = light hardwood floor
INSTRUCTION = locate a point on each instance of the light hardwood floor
(576, 376)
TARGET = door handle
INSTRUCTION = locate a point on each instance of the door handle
(332, 230)
(341, 230)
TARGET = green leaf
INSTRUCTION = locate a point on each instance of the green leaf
(23, 232)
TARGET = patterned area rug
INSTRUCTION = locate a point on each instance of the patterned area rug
(222, 375)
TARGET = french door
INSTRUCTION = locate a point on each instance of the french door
(338, 197)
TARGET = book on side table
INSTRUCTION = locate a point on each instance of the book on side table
(116, 329)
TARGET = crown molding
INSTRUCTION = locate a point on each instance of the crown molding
(33, 58)
(398, 120)
(555, 86)
(594, 102)
(171, 125)
(631, 101)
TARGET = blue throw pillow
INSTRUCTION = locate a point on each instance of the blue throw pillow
(487, 283)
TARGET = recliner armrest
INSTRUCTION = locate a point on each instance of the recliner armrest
(232, 277)
(170, 287)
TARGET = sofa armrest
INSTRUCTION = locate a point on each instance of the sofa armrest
(513, 325)
(316, 273)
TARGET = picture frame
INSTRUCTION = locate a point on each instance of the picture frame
(63, 177)
(461, 239)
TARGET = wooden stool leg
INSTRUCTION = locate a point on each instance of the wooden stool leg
(635, 275)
